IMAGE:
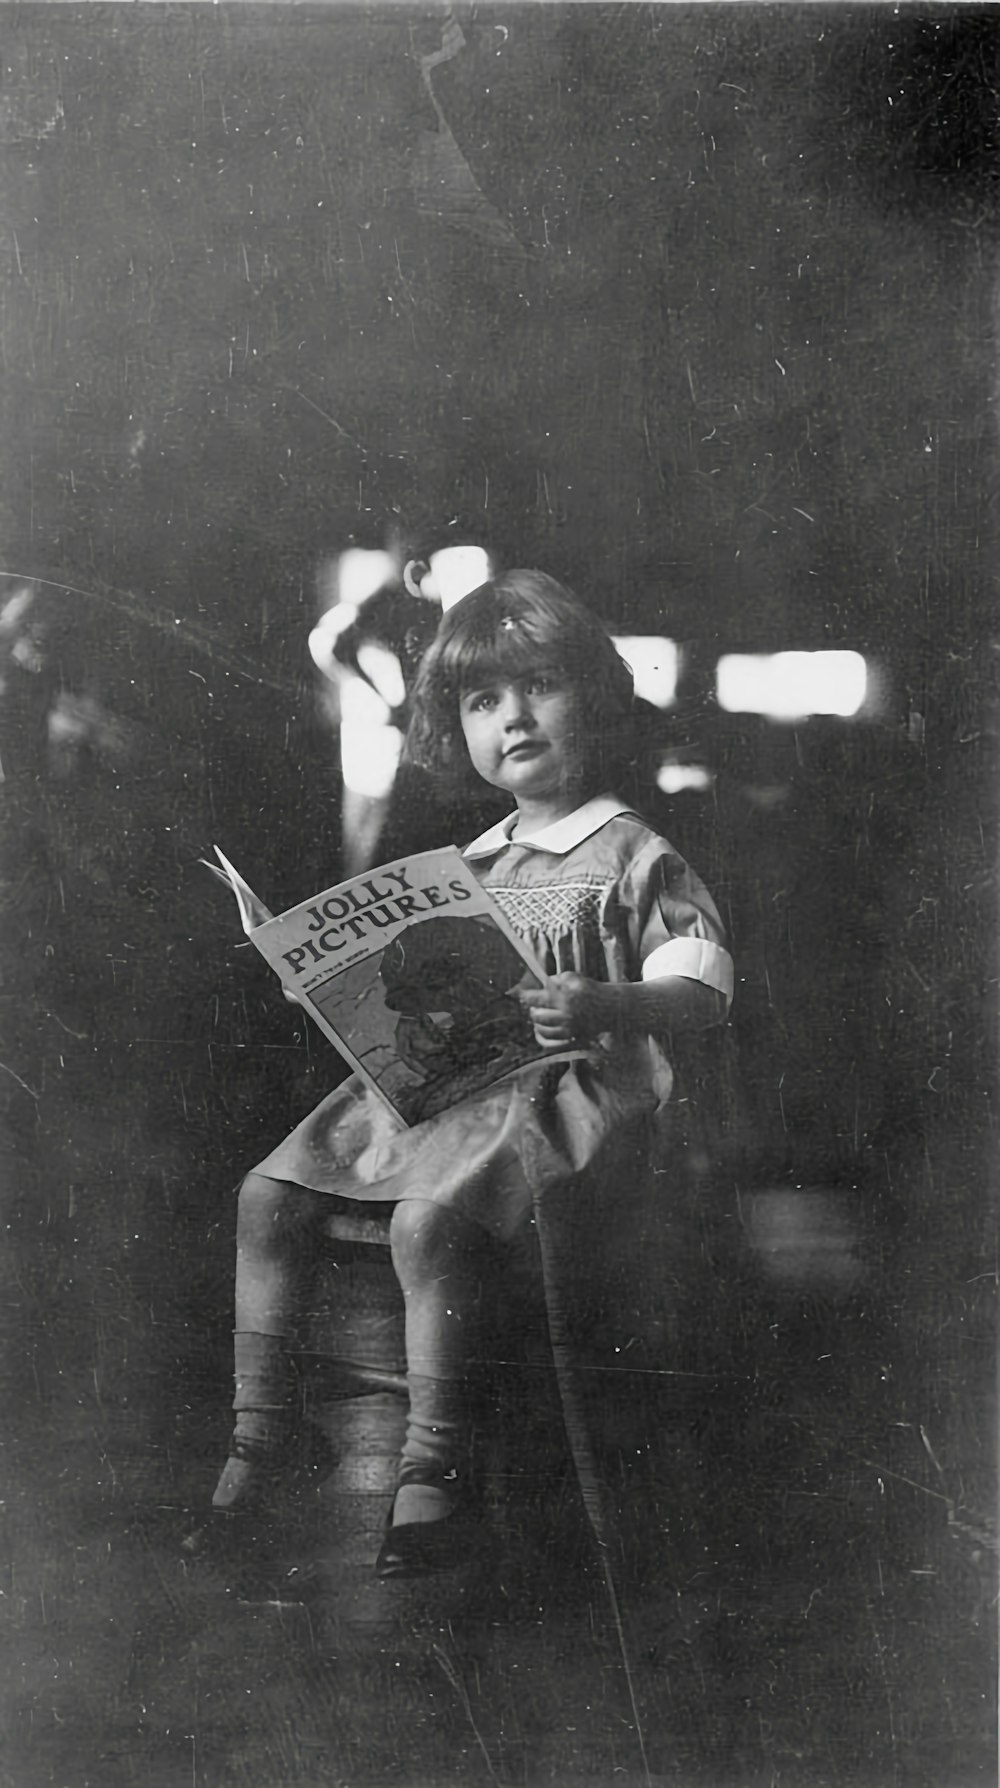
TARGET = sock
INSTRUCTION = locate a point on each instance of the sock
(432, 1450)
(266, 1398)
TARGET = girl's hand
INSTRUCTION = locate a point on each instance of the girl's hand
(572, 1010)
(569, 1010)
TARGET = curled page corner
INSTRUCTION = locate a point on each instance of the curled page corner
(253, 912)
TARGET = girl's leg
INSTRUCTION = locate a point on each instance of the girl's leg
(275, 1255)
(276, 1230)
(436, 1255)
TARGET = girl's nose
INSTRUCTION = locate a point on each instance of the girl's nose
(516, 708)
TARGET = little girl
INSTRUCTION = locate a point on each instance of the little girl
(523, 686)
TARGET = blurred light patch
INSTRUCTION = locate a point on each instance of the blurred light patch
(15, 608)
(792, 685)
(384, 671)
(805, 1238)
(28, 653)
(370, 746)
(675, 779)
(78, 722)
(450, 574)
(766, 797)
(654, 664)
(361, 574)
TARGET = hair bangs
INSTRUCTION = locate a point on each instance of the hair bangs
(501, 647)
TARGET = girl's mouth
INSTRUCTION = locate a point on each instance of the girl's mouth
(525, 748)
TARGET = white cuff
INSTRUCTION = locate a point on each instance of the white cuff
(695, 959)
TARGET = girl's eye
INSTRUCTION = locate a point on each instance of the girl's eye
(542, 684)
(479, 700)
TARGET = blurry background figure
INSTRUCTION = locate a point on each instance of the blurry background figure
(369, 644)
(448, 575)
(81, 729)
(27, 684)
(52, 711)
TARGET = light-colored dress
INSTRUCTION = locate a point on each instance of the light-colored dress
(600, 893)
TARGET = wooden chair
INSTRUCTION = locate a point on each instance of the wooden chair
(354, 1370)
(625, 1334)
(355, 1338)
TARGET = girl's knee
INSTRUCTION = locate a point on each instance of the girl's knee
(428, 1239)
(267, 1207)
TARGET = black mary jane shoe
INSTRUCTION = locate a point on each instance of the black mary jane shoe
(423, 1548)
(257, 1469)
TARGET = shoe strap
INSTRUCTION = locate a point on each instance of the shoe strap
(253, 1449)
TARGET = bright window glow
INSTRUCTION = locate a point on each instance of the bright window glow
(792, 685)
(673, 779)
(653, 662)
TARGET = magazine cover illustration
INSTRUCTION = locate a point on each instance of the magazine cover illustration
(412, 972)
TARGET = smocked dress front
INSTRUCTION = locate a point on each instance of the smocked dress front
(601, 893)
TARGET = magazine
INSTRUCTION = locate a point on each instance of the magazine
(412, 971)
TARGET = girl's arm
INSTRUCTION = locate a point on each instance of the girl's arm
(572, 1009)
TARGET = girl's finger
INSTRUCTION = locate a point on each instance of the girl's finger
(548, 1018)
(553, 1033)
(532, 996)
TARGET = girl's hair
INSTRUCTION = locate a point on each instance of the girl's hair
(521, 622)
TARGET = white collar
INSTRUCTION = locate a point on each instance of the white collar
(563, 836)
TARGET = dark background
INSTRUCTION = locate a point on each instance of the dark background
(694, 308)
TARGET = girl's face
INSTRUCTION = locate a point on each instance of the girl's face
(524, 735)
